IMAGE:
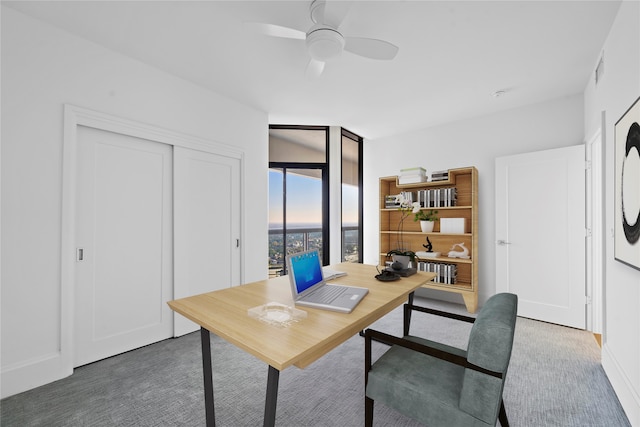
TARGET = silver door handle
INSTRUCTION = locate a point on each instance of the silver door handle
(503, 242)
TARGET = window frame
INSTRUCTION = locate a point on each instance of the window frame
(325, 169)
(360, 140)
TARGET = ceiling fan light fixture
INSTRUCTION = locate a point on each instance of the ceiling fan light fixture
(324, 43)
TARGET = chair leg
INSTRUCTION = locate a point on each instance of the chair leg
(502, 416)
(368, 412)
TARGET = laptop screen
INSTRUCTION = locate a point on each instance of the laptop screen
(306, 269)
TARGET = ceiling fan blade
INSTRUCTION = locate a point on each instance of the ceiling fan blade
(335, 12)
(276, 30)
(371, 48)
(314, 68)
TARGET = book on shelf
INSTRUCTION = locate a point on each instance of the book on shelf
(392, 201)
(411, 179)
(412, 176)
(411, 171)
(440, 175)
(408, 197)
(437, 197)
(445, 273)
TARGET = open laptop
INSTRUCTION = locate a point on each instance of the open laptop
(309, 289)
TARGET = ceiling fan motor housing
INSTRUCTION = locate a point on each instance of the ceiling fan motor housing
(324, 43)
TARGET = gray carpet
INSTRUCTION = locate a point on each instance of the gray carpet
(555, 379)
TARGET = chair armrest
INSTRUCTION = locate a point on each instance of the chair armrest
(371, 334)
(412, 307)
(408, 308)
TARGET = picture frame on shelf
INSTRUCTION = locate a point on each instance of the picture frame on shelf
(627, 187)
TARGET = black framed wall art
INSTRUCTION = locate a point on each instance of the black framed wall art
(627, 187)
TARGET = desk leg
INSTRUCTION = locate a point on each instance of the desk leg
(272, 397)
(205, 339)
(407, 316)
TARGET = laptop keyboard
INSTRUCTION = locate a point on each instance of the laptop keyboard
(325, 294)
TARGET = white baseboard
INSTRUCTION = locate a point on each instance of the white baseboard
(622, 385)
(24, 376)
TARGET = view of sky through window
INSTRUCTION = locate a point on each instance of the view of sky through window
(304, 210)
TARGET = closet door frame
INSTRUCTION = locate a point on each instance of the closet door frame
(76, 116)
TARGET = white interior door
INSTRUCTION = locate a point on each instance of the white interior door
(124, 273)
(207, 225)
(540, 233)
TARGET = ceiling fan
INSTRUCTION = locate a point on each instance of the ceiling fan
(325, 41)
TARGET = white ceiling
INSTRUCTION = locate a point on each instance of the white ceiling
(453, 54)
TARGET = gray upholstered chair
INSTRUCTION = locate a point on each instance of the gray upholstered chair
(440, 385)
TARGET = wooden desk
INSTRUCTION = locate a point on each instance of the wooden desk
(224, 313)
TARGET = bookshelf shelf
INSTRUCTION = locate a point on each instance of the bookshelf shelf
(426, 234)
(449, 260)
(442, 208)
(465, 182)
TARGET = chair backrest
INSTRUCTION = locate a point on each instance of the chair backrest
(490, 344)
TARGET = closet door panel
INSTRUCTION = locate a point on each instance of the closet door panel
(124, 240)
(207, 225)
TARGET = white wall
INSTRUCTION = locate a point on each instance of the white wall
(42, 69)
(476, 142)
(613, 95)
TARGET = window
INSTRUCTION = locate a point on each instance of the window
(298, 193)
(351, 169)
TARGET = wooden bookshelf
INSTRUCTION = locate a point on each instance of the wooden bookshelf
(465, 181)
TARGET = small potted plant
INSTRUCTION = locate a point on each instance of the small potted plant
(427, 219)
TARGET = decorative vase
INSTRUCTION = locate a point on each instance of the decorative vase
(427, 226)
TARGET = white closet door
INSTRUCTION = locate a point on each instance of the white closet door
(207, 225)
(124, 273)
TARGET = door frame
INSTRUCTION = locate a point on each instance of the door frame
(594, 151)
(77, 116)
